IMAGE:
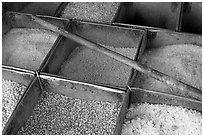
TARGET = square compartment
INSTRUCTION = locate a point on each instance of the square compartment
(64, 88)
(162, 40)
(153, 14)
(80, 63)
(15, 83)
(141, 96)
(25, 43)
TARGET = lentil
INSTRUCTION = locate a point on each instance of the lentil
(12, 93)
(59, 114)
(90, 66)
(91, 11)
(163, 119)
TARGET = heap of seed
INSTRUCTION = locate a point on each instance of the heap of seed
(91, 11)
(183, 62)
(149, 119)
(12, 93)
(56, 114)
(26, 48)
(90, 66)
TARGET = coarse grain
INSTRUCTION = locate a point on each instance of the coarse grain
(11, 94)
(157, 119)
(90, 66)
(182, 62)
(56, 114)
(26, 48)
(41, 8)
(91, 11)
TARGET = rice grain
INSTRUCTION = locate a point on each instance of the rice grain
(155, 119)
(56, 114)
(11, 94)
(91, 11)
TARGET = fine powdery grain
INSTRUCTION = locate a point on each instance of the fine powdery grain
(91, 11)
(182, 62)
(90, 66)
(26, 48)
(11, 94)
(149, 119)
(56, 114)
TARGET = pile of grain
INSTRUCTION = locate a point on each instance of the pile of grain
(12, 93)
(91, 11)
(183, 62)
(90, 66)
(149, 119)
(26, 48)
(58, 114)
(41, 8)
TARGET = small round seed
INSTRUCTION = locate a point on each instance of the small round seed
(57, 114)
(12, 93)
(91, 11)
(163, 119)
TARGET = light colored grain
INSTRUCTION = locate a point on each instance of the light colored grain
(62, 115)
(91, 11)
(26, 48)
(155, 119)
(90, 66)
(11, 94)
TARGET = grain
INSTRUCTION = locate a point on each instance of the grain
(91, 11)
(26, 48)
(12, 93)
(155, 119)
(93, 67)
(58, 114)
(182, 62)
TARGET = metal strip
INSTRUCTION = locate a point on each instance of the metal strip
(39, 80)
(52, 51)
(141, 96)
(142, 45)
(40, 16)
(55, 77)
(166, 94)
(116, 13)
(179, 20)
(108, 25)
(18, 70)
(60, 9)
(136, 26)
(122, 113)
